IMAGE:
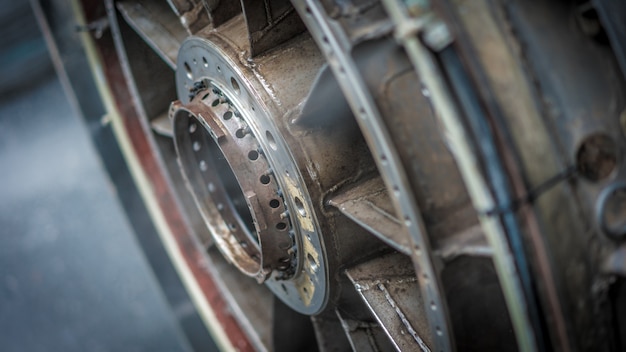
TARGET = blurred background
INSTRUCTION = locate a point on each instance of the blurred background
(73, 276)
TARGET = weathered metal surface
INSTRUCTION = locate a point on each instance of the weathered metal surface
(329, 334)
(227, 173)
(337, 46)
(369, 205)
(221, 11)
(510, 263)
(270, 23)
(403, 185)
(390, 289)
(247, 87)
(192, 14)
(157, 25)
(365, 336)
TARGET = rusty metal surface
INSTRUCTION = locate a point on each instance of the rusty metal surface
(389, 287)
(354, 148)
(257, 240)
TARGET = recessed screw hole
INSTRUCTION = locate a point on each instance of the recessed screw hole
(228, 115)
(312, 261)
(215, 102)
(270, 140)
(280, 225)
(235, 85)
(300, 206)
(240, 133)
(188, 70)
(274, 203)
(596, 157)
(265, 179)
(253, 155)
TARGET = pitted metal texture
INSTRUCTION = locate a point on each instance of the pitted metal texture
(242, 175)
(218, 152)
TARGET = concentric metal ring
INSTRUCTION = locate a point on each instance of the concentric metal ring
(303, 282)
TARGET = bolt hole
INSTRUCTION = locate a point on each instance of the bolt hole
(284, 287)
(308, 10)
(205, 96)
(280, 225)
(232, 227)
(215, 102)
(596, 157)
(270, 140)
(188, 70)
(228, 115)
(219, 69)
(274, 203)
(300, 206)
(312, 261)
(265, 179)
(253, 155)
(235, 85)
(240, 133)
(205, 62)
